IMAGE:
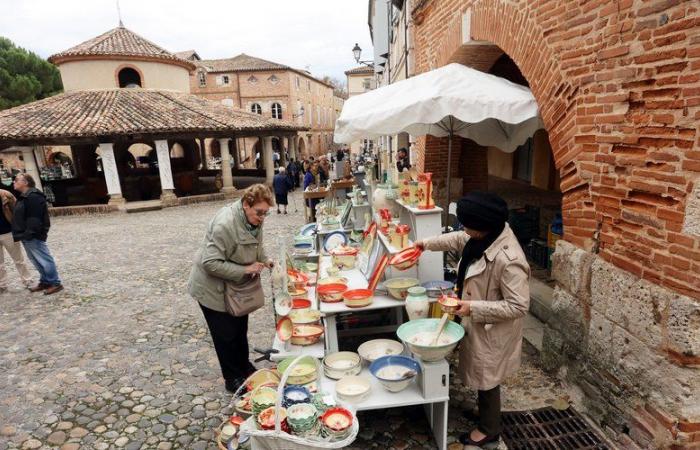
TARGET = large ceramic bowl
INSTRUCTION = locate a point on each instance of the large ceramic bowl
(406, 258)
(341, 364)
(398, 287)
(353, 388)
(305, 316)
(395, 372)
(417, 335)
(436, 288)
(306, 334)
(358, 298)
(303, 373)
(344, 257)
(332, 293)
(376, 348)
(301, 304)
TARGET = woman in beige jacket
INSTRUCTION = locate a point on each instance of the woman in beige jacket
(493, 284)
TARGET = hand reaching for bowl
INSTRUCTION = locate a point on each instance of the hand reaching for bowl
(255, 268)
(420, 245)
(464, 308)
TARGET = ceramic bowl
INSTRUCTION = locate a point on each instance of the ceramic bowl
(332, 280)
(436, 288)
(416, 335)
(301, 304)
(303, 248)
(344, 257)
(398, 287)
(285, 329)
(263, 398)
(341, 364)
(376, 348)
(306, 334)
(305, 316)
(358, 298)
(406, 258)
(266, 419)
(310, 267)
(395, 372)
(302, 373)
(336, 422)
(353, 388)
(295, 394)
(298, 293)
(332, 293)
(448, 303)
(302, 417)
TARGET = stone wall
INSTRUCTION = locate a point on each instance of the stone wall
(632, 346)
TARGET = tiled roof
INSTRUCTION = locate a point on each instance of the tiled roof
(118, 42)
(124, 112)
(358, 70)
(240, 63)
(190, 55)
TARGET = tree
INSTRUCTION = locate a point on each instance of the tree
(24, 76)
(338, 86)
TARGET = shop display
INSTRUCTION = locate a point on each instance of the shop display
(341, 364)
(353, 389)
(395, 372)
(398, 287)
(417, 335)
(376, 348)
(417, 304)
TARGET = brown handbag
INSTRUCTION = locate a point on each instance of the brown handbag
(243, 298)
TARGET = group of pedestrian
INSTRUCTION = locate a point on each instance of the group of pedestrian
(25, 219)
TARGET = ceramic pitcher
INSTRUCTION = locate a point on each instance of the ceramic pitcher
(417, 304)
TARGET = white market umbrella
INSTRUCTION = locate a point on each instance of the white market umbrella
(452, 100)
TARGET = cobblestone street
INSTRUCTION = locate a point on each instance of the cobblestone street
(122, 358)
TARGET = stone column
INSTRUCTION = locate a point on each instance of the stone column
(30, 165)
(109, 169)
(292, 142)
(283, 156)
(167, 187)
(226, 175)
(236, 155)
(267, 159)
(203, 153)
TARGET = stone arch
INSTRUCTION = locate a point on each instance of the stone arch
(177, 151)
(301, 146)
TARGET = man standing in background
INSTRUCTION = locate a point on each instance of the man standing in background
(8, 243)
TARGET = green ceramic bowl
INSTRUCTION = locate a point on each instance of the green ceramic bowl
(416, 332)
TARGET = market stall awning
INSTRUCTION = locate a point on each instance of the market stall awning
(109, 114)
(488, 109)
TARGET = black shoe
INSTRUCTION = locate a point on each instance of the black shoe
(465, 439)
(233, 385)
(285, 212)
(278, 211)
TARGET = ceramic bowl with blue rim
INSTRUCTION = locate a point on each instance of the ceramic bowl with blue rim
(294, 395)
(433, 288)
(334, 240)
(395, 372)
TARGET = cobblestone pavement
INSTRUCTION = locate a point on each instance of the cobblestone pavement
(122, 358)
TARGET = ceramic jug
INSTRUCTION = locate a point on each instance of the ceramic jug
(417, 304)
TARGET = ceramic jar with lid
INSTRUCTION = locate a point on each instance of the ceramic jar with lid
(402, 231)
(417, 303)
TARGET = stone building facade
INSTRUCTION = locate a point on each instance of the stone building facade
(273, 90)
(618, 86)
(360, 80)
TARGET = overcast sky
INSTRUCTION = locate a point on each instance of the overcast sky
(319, 34)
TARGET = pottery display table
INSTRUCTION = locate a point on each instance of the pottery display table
(312, 194)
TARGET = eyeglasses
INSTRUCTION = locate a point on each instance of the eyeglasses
(261, 213)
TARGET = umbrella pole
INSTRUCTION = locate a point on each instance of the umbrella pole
(449, 172)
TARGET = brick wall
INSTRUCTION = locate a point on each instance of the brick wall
(618, 85)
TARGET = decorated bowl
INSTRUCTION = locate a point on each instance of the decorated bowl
(305, 316)
(322, 401)
(341, 364)
(353, 388)
(406, 258)
(418, 335)
(358, 298)
(395, 372)
(332, 293)
(298, 293)
(306, 334)
(262, 398)
(376, 348)
(448, 303)
(303, 248)
(301, 304)
(398, 287)
(266, 419)
(332, 280)
(295, 394)
(310, 267)
(285, 329)
(336, 421)
(344, 257)
(303, 373)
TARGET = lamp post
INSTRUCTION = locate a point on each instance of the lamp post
(357, 52)
(301, 113)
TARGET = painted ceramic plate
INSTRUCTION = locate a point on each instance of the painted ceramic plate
(335, 240)
(378, 273)
(308, 230)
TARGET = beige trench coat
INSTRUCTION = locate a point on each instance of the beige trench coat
(497, 285)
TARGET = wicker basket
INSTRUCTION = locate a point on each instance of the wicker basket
(279, 440)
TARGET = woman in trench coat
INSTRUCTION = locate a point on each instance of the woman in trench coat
(493, 284)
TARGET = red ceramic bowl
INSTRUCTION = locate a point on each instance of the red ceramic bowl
(405, 259)
(357, 298)
(301, 303)
(285, 328)
(337, 419)
(332, 293)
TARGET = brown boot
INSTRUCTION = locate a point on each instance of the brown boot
(39, 287)
(53, 289)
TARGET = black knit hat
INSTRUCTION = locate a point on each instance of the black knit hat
(482, 211)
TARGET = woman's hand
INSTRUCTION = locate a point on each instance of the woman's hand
(255, 268)
(419, 245)
(464, 308)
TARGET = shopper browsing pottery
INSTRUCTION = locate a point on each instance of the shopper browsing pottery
(493, 284)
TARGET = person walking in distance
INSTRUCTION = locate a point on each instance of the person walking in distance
(8, 243)
(30, 225)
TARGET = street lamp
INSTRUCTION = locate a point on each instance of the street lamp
(301, 113)
(357, 52)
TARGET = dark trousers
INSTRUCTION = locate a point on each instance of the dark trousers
(230, 336)
(490, 411)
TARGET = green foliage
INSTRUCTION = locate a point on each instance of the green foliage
(24, 76)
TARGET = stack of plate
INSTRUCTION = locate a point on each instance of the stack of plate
(303, 418)
(262, 399)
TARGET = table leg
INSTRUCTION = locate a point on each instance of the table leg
(438, 422)
(331, 333)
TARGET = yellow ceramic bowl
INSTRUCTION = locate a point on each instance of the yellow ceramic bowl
(304, 316)
(398, 287)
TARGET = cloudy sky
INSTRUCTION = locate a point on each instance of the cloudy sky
(318, 34)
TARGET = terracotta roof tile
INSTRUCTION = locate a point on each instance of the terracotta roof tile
(118, 42)
(124, 112)
(361, 69)
(240, 63)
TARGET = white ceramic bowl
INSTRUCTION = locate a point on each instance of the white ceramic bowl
(376, 348)
(342, 364)
(353, 389)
